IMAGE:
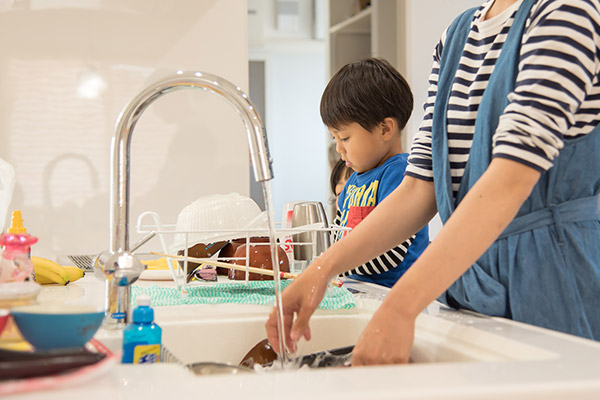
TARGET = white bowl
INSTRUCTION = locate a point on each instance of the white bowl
(14, 294)
(214, 218)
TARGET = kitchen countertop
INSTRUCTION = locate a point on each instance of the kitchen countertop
(568, 369)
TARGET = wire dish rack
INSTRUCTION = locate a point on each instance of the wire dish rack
(173, 241)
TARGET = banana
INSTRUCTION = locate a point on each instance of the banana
(158, 264)
(74, 272)
(45, 280)
(47, 271)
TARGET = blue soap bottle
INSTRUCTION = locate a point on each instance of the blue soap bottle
(142, 337)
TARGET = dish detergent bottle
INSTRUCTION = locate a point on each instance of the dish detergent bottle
(142, 337)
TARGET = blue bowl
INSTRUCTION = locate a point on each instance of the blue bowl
(53, 327)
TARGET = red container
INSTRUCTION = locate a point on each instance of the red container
(4, 316)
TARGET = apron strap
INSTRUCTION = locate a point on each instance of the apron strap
(583, 209)
(456, 38)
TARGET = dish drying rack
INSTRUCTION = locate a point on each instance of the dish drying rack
(178, 270)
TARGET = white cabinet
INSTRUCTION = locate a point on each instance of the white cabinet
(404, 32)
(372, 31)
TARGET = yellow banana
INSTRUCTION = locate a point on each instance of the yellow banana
(158, 264)
(46, 280)
(47, 271)
(74, 272)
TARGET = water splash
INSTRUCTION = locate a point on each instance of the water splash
(283, 354)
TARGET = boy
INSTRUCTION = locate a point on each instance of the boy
(366, 106)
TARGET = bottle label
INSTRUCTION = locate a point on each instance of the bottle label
(118, 315)
(146, 354)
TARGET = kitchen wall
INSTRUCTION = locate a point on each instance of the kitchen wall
(296, 74)
(289, 39)
(67, 69)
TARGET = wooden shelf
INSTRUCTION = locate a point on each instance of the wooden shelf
(372, 32)
(359, 23)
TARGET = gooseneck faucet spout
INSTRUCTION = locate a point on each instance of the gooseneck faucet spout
(118, 264)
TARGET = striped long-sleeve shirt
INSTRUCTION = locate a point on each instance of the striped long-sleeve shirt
(557, 92)
(378, 265)
(361, 194)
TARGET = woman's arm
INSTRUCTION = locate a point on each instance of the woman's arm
(405, 211)
(391, 177)
(557, 71)
(480, 218)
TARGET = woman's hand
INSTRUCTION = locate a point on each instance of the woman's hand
(387, 339)
(478, 220)
(299, 299)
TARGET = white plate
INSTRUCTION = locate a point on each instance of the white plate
(156, 275)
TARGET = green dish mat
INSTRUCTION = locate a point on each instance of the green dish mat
(255, 292)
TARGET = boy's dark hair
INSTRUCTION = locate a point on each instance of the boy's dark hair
(366, 92)
(338, 169)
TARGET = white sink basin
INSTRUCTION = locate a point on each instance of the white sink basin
(227, 340)
(227, 336)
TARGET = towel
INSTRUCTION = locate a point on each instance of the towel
(254, 292)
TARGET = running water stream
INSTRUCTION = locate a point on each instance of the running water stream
(118, 261)
(283, 355)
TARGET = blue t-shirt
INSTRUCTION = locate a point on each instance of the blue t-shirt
(361, 194)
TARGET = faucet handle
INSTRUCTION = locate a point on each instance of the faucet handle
(124, 267)
(120, 269)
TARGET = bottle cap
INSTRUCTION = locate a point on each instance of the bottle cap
(16, 223)
(143, 300)
(143, 313)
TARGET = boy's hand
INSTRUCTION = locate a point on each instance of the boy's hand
(299, 299)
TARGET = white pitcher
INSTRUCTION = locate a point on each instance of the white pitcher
(7, 185)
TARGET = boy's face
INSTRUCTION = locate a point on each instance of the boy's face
(360, 149)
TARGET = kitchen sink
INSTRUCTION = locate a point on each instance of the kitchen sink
(226, 335)
(456, 355)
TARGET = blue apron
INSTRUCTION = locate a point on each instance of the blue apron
(544, 269)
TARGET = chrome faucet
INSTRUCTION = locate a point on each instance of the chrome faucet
(118, 264)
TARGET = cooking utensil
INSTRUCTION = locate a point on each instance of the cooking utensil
(257, 254)
(208, 261)
(202, 250)
(339, 357)
(203, 368)
(49, 327)
(198, 271)
(261, 353)
(215, 368)
(213, 218)
(315, 242)
(24, 364)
